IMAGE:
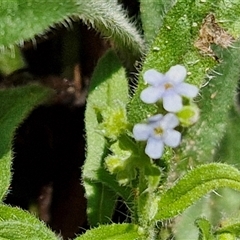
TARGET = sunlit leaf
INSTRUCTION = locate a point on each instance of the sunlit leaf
(108, 87)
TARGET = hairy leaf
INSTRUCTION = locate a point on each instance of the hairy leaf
(114, 231)
(18, 224)
(205, 229)
(230, 145)
(216, 101)
(25, 19)
(194, 185)
(108, 88)
(176, 44)
(101, 202)
(152, 16)
(215, 206)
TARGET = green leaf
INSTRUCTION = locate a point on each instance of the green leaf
(174, 45)
(230, 10)
(184, 226)
(15, 105)
(216, 101)
(205, 229)
(230, 145)
(194, 185)
(215, 206)
(110, 232)
(101, 202)
(24, 19)
(108, 88)
(5, 173)
(152, 16)
(230, 226)
(18, 224)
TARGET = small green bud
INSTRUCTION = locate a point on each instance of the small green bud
(121, 163)
(188, 115)
(122, 168)
(114, 164)
(141, 231)
(114, 122)
(226, 236)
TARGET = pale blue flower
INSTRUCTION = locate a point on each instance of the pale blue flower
(169, 87)
(158, 131)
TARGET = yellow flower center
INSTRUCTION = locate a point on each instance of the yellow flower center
(168, 85)
(158, 131)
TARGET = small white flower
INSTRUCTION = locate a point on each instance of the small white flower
(169, 87)
(158, 131)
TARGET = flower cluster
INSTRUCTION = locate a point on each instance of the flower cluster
(159, 129)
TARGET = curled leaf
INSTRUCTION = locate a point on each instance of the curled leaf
(194, 185)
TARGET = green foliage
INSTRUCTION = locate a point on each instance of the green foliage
(174, 45)
(216, 101)
(122, 163)
(113, 231)
(152, 16)
(230, 144)
(107, 89)
(194, 185)
(184, 224)
(230, 226)
(18, 224)
(205, 229)
(15, 105)
(224, 203)
(5, 167)
(229, 9)
(116, 165)
(101, 202)
(216, 207)
(22, 20)
(11, 60)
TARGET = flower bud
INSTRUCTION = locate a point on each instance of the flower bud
(188, 115)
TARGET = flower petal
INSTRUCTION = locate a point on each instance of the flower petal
(187, 90)
(153, 77)
(176, 74)
(141, 132)
(151, 94)
(172, 138)
(170, 120)
(172, 102)
(155, 118)
(154, 148)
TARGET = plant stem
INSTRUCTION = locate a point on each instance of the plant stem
(146, 209)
